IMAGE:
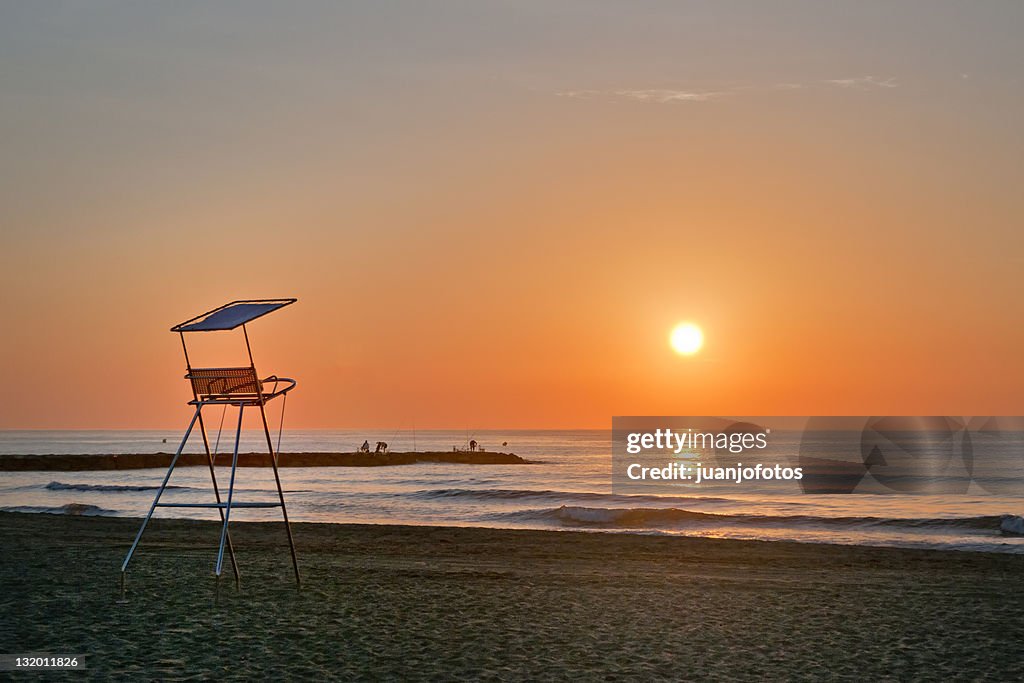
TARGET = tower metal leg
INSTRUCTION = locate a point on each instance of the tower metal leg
(160, 491)
(280, 494)
(231, 493)
(216, 493)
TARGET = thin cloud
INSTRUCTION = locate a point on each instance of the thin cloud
(657, 95)
(863, 82)
(674, 95)
(661, 96)
(577, 93)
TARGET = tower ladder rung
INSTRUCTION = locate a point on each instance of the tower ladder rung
(218, 505)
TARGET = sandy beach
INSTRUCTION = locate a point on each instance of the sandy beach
(432, 603)
(136, 461)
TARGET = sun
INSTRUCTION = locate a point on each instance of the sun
(686, 339)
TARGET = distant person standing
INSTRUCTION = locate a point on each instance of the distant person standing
(472, 445)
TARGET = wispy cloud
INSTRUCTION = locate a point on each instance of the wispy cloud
(658, 95)
(675, 95)
(863, 82)
(662, 95)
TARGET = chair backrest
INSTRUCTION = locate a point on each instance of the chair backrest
(225, 383)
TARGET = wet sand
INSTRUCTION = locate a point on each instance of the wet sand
(398, 602)
(135, 461)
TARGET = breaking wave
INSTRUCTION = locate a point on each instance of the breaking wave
(61, 486)
(658, 518)
(546, 494)
(76, 509)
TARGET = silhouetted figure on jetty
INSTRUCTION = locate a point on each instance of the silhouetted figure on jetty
(382, 447)
(365, 448)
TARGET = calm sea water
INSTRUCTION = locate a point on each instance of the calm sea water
(569, 487)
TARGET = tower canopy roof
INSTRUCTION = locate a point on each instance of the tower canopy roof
(231, 315)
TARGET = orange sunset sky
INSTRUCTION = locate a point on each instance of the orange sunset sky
(493, 213)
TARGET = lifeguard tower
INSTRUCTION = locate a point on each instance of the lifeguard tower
(228, 386)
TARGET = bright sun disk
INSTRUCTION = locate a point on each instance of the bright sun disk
(686, 338)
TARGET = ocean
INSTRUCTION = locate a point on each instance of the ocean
(568, 487)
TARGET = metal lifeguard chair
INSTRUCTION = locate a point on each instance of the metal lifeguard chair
(228, 386)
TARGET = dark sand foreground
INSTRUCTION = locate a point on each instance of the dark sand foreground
(395, 602)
